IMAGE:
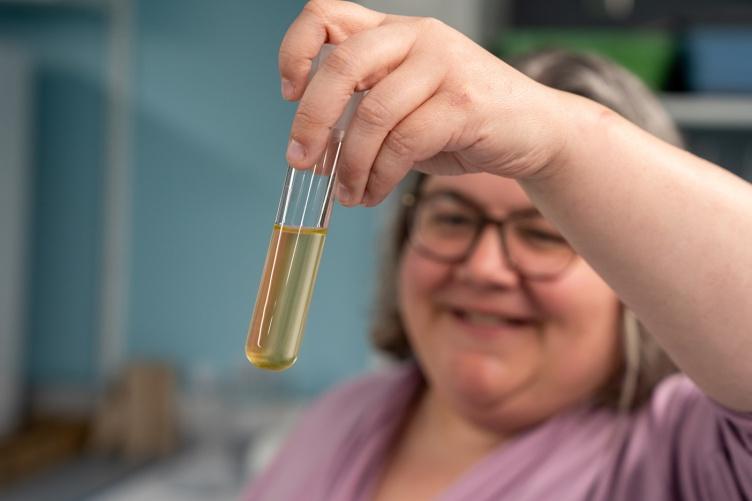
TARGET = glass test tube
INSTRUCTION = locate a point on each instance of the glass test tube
(294, 253)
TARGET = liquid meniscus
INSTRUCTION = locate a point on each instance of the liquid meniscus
(279, 316)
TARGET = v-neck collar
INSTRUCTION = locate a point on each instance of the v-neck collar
(517, 457)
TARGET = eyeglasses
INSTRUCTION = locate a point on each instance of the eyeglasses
(446, 227)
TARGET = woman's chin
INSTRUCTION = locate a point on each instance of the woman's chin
(482, 382)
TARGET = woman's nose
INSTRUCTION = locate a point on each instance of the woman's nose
(487, 263)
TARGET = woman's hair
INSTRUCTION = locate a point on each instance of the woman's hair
(644, 363)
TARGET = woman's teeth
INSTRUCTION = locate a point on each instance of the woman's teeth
(489, 319)
(483, 319)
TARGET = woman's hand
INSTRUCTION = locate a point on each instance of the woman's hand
(437, 101)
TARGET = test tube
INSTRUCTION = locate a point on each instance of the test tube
(295, 249)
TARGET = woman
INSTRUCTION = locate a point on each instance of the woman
(518, 284)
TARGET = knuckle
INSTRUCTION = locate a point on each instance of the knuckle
(349, 177)
(342, 62)
(398, 141)
(289, 62)
(431, 24)
(348, 171)
(464, 97)
(344, 171)
(374, 113)
(306, 118)
(316, 8)
(378, 182)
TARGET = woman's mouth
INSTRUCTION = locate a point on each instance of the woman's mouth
(490, 323)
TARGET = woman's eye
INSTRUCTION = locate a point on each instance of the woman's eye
(540, 236)
(451, 220)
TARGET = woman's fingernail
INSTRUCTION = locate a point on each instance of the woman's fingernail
(287, 89)
(343, 195)
(295, 152)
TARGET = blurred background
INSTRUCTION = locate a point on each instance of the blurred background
(141, 160)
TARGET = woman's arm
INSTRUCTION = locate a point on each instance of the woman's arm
(670, 232)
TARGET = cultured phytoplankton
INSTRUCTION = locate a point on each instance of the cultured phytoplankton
(295, 249)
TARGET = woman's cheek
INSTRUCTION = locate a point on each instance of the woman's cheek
(419, 276)
(576, 296)
(582, 314)
(419, 279)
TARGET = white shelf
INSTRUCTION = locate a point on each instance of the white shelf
(710, 111)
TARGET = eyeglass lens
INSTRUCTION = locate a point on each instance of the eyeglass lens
(447, 228)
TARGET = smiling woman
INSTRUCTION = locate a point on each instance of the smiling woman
(510, 292)
(502, 349)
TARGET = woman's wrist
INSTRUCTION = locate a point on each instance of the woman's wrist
(572, 124)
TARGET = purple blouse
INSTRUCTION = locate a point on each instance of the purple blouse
(681, 445)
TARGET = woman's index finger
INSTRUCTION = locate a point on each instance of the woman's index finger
(320, 22)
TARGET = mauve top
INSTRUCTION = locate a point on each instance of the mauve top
(680, 445)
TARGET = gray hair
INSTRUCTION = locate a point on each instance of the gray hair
(643, 363)
(603, 81)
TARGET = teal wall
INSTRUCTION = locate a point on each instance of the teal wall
(209, 133)
(67, 51)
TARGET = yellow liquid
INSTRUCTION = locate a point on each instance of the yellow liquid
(284, 295)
